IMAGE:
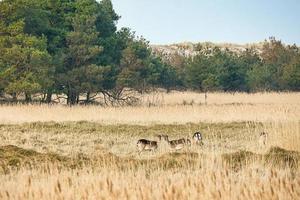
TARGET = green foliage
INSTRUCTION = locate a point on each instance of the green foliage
(72, 47)
(291, 74)
(276, 68)
(24, 61)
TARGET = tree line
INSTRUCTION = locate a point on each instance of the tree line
(274, 67)
(73, 48)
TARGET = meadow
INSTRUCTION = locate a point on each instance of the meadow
(89, 152)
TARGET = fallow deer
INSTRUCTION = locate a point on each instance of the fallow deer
(146, 145)
(197, 138)
(262, 140)
(175, 144)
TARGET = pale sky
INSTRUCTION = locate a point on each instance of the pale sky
(236, 21)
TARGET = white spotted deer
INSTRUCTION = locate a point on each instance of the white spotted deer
(198, 138)
(146, 145)
(262, 140)
(175, 144)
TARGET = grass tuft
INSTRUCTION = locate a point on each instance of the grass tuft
(280, 157)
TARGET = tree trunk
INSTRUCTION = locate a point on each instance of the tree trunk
(27, 97)
(49, 96)
(68, 98)
(88, 94)
(14, 96)
(168, 89)
(72, 98)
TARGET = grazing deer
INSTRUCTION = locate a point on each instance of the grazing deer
(262, 140)
(146, 145)
(175, 144)
(197, 138)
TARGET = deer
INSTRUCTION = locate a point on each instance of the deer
(175, 144)
(197, 138)
(262, 140)
(146, 145)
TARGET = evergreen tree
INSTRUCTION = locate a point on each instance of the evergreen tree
(24, 60)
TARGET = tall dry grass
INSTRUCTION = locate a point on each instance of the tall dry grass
(85, 159)
(179, 98)
(172, 108)
(208, 183)
(230, 164)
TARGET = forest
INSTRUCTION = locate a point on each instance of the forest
(73, 48)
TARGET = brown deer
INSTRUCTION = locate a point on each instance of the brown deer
(146, 145)
(175, 144)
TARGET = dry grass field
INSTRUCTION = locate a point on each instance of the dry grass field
(162, 108)
(89, 152)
